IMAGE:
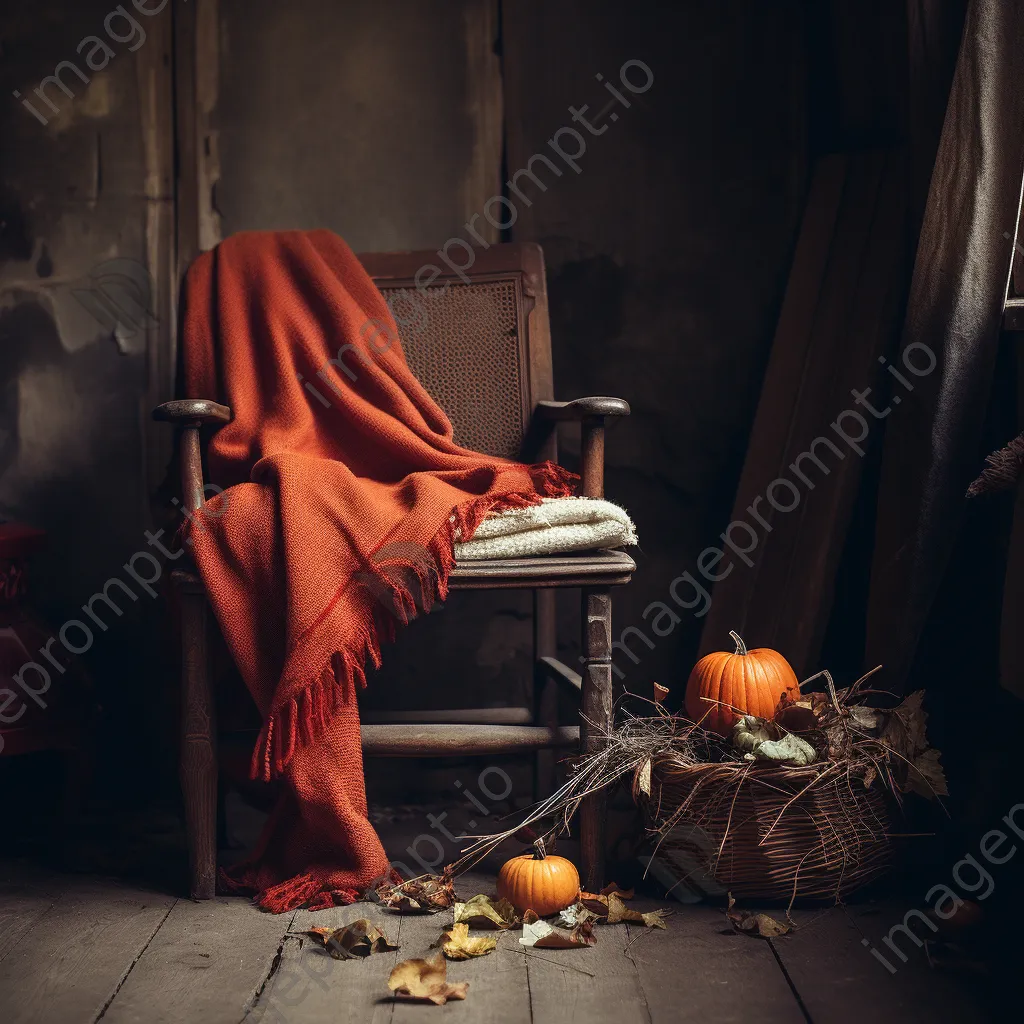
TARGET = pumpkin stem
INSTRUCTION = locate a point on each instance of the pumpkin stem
(741, 647)
(539, 849)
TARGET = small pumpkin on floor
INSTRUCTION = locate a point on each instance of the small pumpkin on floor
(539, 881)
(744, 683)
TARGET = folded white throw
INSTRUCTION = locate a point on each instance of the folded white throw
(555, 526)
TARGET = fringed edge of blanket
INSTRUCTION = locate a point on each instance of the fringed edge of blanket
(304, 717)
(306, 890)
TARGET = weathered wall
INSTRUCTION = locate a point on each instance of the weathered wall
(392, 123)
(667, 253)
(82, 328)
(379, 121)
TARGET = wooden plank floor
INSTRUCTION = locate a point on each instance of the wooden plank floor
(81, 949)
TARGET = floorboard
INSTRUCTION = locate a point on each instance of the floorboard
(498, 982)
(308, 985)
(26, 894)
(840, 982)
(701, 970)
(80, 950)
(70, 963)
(560, 991)
(206, 963)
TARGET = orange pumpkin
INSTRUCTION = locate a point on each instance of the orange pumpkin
(538, 881)
(743, 683)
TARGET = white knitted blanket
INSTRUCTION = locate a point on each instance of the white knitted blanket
(555, 526)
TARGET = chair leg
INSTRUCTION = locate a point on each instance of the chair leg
(597, 721)
(198, 768)
(545, 644)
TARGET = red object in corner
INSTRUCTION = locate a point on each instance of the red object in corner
(56, 717)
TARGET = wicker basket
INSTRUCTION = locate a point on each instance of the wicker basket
(769, 832)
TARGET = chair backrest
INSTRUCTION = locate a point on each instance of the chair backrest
(478, 340)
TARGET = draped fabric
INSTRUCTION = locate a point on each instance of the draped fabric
(953, 318)
(341, 496)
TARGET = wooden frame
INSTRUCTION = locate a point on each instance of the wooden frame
(476, 731)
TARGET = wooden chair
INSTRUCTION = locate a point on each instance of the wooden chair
(480, 343)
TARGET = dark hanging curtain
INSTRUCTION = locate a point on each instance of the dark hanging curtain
(954, 312)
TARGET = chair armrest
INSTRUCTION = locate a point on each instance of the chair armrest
(591, 414)
(192, 411)
(580, 408)
(191, 414)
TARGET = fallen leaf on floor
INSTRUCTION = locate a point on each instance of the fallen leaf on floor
(614, 887)
(574, 916)
(358, 939)
(419, 895)
(499, 912)
(458, 944)
(618, 911)
(538, 933)
(608, 907)
(425, 979)
(596, 903)
(761, 925)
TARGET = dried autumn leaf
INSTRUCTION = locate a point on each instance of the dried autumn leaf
(597, 902)
(500, 913)
(618, 912)
(425, 979)
(865, 719)
(614, 887)
(358, 939)
(538, 933)
(791, 750)
(761, 925)
(905, 728)
(420, 895)
(927, 778)
(458, 944)
(914, 718)
(795, 716)
(576, 915)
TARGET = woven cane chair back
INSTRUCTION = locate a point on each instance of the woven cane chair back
(481, 346)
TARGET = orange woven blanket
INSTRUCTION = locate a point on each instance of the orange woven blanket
(335, 523)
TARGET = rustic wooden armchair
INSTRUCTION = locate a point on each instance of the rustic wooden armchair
(483, 351)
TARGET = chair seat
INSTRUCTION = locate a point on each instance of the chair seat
(582, 569)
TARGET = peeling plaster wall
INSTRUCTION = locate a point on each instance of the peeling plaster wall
(75, 313)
